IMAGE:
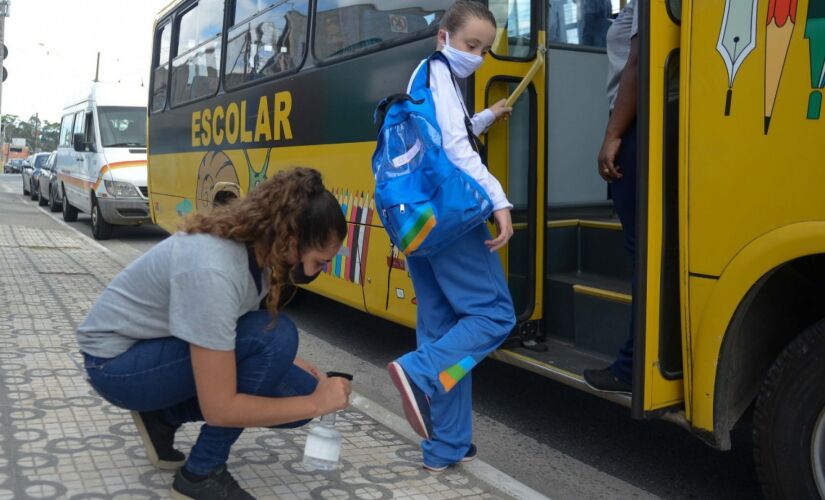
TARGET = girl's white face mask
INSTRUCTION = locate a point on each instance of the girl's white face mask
(462, 63)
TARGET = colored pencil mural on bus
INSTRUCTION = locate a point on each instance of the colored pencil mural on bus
(359, 211)
(781, 21)
(815, 34)
(737, 39)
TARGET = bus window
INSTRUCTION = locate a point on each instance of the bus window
(345, 27)
(161, 71)
(514, 21)
(195, 69)
(265, 42)
(580, 22)
(66, 131)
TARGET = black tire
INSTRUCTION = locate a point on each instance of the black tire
(34, 193)
(789, 421)
(53, 206)
(69, 212)
(41, 201)
(101, 229)
(25, 191)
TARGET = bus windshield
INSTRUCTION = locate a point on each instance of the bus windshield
(122, 127)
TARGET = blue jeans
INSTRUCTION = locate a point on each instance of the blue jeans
(464, 313)
(157, 375)
(624, 200)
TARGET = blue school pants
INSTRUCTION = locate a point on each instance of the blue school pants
(464, 313)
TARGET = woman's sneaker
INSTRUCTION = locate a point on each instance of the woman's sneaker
(415, 401)
(158, 438)
(217, 485)
(471, 455)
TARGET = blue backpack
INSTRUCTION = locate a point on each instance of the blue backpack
(424, 201)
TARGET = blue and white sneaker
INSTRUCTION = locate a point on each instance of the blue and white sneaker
(415, 401)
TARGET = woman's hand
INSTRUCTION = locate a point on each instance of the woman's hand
(501, 109)
(608, 170)
(308, 367)
(505, 229)
(332, 394)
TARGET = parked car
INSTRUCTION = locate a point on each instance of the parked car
(26, 170)
(47, 184)
(13, 166)
(36, 162)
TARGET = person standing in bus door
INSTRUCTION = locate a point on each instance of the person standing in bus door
(464, 306)
(177, 336)
(617, 165)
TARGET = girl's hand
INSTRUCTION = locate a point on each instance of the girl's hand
(332, 394)
(504, 223)
(308, 367)
(500, 109)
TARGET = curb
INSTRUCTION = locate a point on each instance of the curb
(478, 468)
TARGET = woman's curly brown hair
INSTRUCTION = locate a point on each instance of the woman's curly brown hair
(292, 204)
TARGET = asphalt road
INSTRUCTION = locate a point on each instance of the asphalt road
(557, 440)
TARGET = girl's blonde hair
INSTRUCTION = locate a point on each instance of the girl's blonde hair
(458, 13)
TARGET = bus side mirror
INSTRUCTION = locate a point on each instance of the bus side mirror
(79, 142)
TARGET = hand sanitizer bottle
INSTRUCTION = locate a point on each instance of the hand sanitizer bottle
(323, 445)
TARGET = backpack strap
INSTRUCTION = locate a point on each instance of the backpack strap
(475, 143)
(384, 106)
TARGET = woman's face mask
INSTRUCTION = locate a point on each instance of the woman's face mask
(299, 277)
(462, 63)
(314, 260)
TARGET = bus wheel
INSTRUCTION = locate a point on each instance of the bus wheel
(69, 212)
(101, 229)
(789, 421)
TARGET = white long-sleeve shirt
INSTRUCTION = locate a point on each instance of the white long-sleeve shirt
(449, 112)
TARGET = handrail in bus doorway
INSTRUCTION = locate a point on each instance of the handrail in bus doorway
(537, 64)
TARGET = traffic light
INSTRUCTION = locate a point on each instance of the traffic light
(5, 56)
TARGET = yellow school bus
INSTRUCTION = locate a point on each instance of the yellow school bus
(731, 217)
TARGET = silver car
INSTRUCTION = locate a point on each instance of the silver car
(31, 169)
(47, 184)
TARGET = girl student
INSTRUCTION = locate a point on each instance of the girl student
(464, 306)
(177, 336)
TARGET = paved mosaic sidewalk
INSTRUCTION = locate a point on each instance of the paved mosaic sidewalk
(58, 439)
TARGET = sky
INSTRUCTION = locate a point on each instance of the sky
(53, 47)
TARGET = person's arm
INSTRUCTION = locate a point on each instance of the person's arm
(624, 112)
(203, 311)
(222, 406)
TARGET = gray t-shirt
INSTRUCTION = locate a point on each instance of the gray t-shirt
(193, 287)
(624, 27)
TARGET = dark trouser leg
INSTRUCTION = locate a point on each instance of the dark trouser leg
(624, 200)
(157, 375)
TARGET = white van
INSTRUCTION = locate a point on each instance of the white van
(101, 158)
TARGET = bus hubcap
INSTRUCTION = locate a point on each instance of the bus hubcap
(818, 453)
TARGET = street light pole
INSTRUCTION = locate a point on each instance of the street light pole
(4, 12)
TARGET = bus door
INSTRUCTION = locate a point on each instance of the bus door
(659, 300)
(515, 148)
